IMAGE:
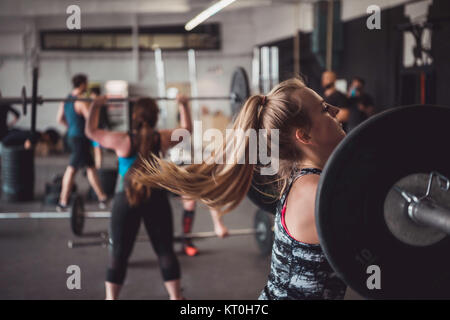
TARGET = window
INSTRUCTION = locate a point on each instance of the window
(204, 37)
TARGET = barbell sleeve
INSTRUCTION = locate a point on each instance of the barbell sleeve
(77, 244)
(430, 214)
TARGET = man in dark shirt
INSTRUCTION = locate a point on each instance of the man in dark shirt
(360, 103)
(4, 125)
(73, 115)
(334, 97)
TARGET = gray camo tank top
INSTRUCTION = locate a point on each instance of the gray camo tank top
(299, 270)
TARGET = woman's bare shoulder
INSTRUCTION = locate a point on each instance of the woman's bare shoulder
(302, 195)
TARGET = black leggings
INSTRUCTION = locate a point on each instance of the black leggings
(125, 221)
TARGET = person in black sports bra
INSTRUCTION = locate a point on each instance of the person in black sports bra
(304, 131)
(133, 201)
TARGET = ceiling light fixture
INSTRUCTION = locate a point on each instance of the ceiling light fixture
(207, 13)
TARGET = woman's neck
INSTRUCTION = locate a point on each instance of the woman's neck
(313, 162)
(309, 165)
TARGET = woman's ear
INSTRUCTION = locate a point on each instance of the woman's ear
(302, 137)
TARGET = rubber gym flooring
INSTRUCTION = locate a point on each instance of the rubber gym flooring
(34, 255)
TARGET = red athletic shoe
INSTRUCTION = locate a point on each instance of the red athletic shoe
(190, 250)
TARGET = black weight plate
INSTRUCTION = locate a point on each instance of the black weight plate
(77, 216)
(263, 225)
(239, 91)
(351, 196)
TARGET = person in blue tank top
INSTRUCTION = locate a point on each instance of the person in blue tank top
(307, 132)
(134, 202)
(73, 115)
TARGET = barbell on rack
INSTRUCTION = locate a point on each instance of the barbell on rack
(239, 92)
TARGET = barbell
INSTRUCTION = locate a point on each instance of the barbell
(263, 228)
(104, 240)
(239, 92)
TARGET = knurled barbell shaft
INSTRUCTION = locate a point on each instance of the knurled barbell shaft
(35, 215)
(197, 235)
(41, 100)
(107, 214)
(52, 215)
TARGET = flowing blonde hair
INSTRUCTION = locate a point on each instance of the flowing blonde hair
(223, 186)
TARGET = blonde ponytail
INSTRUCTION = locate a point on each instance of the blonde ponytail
(220, 186)
(223, 186)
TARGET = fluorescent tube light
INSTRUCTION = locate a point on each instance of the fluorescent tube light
(207, 13)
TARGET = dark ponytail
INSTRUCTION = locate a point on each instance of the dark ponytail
(145, 116)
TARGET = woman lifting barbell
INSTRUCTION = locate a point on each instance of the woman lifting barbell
(308, 133)
(134, 201)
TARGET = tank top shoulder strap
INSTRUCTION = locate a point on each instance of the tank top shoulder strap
(303, 172)
(295, 175)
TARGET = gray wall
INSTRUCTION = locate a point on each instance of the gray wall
(242, 29)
